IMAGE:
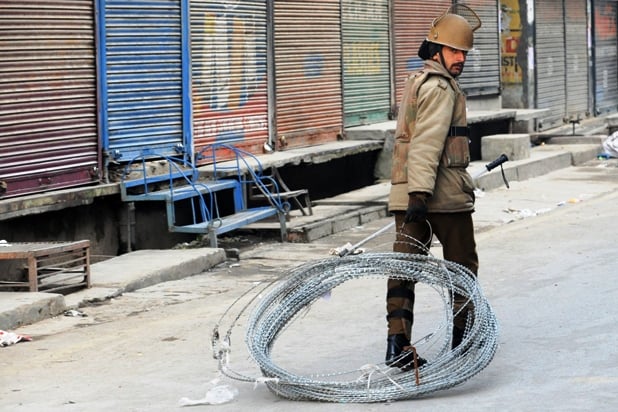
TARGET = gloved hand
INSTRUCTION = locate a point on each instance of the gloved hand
(417, 208)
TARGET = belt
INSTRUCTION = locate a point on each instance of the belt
(459, 131)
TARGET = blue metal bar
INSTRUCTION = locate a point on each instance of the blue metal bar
(187, 104)
(101, 46)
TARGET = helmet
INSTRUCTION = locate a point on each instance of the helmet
(455, 28)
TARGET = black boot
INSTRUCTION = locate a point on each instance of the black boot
(458, 336)
(399, 353)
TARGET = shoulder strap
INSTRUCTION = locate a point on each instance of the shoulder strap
(418, 78)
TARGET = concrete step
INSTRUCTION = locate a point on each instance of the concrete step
(176, 193)
(229, 223)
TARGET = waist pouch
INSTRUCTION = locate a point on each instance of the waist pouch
(456, 148)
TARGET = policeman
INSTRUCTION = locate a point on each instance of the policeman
(431, 191)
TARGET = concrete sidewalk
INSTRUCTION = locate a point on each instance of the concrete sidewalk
(135, 270)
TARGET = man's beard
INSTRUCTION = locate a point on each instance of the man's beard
(456, 69)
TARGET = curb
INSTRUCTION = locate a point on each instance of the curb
(109, 279)
(543, 160)
(23, 308)
(337, 223)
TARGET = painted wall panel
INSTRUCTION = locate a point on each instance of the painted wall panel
(229, 71)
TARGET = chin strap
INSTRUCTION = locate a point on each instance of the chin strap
(442, 58)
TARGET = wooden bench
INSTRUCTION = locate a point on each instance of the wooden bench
(50, 266)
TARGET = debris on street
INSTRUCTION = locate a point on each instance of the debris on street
(10, 338)
(75, 313)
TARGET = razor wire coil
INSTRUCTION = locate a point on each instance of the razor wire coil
(281, 302)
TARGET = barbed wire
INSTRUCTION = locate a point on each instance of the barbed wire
(280, 302)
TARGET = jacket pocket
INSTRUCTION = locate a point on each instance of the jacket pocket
(468, 185)
(399, 172)
(456, 152)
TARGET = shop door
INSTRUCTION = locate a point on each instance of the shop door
(144, 78)
(576, 31)
(411, 24)
(229, 71)
(605, 56)
(481, 75)
(366, 61)
(550, 62)
(307, 49)
(48, 124)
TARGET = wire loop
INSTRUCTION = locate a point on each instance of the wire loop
(282, 301)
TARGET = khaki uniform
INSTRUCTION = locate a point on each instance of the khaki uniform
(424, 159)
(430, 155)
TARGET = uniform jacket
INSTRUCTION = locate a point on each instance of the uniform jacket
(425, 158)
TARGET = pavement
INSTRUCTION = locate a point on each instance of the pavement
(131, 271)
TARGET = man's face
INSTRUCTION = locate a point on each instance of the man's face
(454, 60)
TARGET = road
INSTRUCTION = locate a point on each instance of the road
(551, 280)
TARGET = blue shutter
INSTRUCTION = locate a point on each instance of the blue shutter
(144, 77)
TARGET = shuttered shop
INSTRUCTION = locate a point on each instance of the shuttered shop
(229, 86)
(576, 32)
(307, 50)
(366, 61)
(144, 90)
(550, 61)
(411, 22)
(481, 75)
(605, 56)
(48, 133)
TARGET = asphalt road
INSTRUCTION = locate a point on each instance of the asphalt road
(550, 278)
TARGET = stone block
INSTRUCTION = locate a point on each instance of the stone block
(516, 146)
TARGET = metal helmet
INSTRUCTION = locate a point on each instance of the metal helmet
(455, 28)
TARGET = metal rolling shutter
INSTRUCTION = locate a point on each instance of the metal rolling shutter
(605, 56)
(228, 49)
(550, 62)
(143, 88)
(577, 59)
(48, 130)
(411, 22)
(481, 75)
(308, 72)
(366, 61)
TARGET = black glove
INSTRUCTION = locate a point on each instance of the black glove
(417, 208)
